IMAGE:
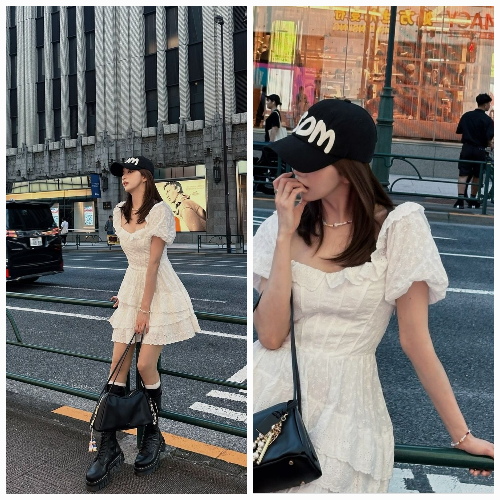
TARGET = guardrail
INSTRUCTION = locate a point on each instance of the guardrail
(220, 241)
(264, 174)
(179, 417)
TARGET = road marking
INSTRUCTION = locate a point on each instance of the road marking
(465, 290)
(103, 318)
(397, 484)
(227, 335)
(228, 395)
(230, 456)
(179, 274)
(239, 376)
(220, 412)
(443, 238)
(449, 484)
(465, 255)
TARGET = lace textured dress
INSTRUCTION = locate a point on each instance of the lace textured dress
(172, 318)
(340, 318)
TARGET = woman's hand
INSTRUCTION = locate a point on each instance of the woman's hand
(142, 323)
(476, 446)
(115, 298)
(286, 190)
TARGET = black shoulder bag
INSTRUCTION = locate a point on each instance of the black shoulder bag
(114, 412)
(283, 455)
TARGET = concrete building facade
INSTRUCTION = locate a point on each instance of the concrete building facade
(90, 85)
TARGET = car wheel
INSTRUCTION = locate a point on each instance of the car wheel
(29, 280)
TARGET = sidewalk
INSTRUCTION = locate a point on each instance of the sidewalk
(48, 453)
(436, 209)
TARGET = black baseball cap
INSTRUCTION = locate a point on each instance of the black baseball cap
(132, 163)
(275, 98)
(329, 131)
(483, 99)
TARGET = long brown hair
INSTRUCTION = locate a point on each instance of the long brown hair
(151, 198)
(366, 192)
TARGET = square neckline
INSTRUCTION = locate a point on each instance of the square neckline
(352, 267)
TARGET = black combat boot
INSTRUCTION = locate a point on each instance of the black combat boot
(152, 444)
(460, 202)
(109, 455)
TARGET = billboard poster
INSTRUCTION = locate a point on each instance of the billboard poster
(88, 215)
(55, 213)
(188, 202)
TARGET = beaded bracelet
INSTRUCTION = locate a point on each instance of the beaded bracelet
(460, 440)
(145, 312)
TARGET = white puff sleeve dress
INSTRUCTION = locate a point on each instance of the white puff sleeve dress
(339, 319)
(172, 318)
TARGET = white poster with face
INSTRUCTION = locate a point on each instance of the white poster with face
(187, 199)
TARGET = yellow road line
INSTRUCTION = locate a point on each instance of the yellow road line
(233, 457)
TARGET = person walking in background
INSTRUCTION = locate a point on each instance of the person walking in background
(273, 121)
(259, 116)
(64, 230)
(301, 104)
(108, 227)
(477, 132)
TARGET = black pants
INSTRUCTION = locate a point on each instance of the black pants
(473, 153)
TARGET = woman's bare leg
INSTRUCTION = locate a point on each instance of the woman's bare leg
(146, 364)
(118, 350)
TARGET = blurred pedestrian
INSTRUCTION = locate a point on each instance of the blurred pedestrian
(64, 230)
(477, 132)
(261, 108)
(108, 227)
(273, 121)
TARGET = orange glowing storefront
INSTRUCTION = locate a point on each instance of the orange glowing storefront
(443, 58)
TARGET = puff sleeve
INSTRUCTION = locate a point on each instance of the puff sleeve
(264, 243)
(162, 222)
(412, 256)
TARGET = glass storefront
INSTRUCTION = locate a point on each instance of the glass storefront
(443, 58)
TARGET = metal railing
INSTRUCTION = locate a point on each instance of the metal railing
(220, 240)
(264, 174)
(179, 417)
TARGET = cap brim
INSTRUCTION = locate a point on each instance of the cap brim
(117, 168)
(300, 155)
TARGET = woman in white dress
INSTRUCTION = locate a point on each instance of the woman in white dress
(152, 305)
(350, 259)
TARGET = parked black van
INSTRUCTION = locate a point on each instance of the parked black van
(33, 242)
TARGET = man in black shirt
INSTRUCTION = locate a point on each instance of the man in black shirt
(476, 128)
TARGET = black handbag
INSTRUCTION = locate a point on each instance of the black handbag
(114, 412)
(284, 456)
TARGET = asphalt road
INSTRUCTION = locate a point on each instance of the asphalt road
(216, 284)
(461, 327)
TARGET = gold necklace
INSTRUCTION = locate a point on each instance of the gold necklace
(337, 224)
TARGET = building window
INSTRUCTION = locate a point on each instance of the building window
(172, 27)
(150, 66)
(90, 84)
(40, 11)
(41, 128)
(71, 22)
(13, 71)
(72, 78)
(13, 74)
(56, 29)
(56, 60)
(57, 124)
(195, 63)
(172, 69)
(240, 57)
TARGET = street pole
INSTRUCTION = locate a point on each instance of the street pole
(385, 111)
(220, 21)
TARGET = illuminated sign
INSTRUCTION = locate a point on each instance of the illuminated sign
(283, 42)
